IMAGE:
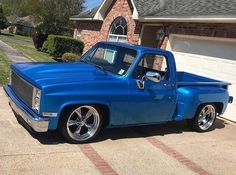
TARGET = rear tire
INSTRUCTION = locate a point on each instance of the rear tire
(81, 124)
(204, 119)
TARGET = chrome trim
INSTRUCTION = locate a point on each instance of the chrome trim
(49, 114)
(206, 117)
(153, 76)
(10, 74)
(231, 99)
(140, 84)
(78, 125)
(37, 124)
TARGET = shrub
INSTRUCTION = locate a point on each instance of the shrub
(45, 47)
(58, 45)
(70, 57)
(3, 20)
(39, 39)
(11, 29)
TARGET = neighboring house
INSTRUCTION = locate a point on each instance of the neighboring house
(200, 33)
(21, 25)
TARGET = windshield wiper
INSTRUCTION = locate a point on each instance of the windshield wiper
(99, 67)
(84, 61)
(95, 65)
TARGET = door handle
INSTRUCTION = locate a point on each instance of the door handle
(168, 85)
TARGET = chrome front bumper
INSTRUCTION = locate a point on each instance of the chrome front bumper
(37, 123)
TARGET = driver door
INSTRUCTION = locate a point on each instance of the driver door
(156, 102)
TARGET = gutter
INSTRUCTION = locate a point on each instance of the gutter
(168, 19)
(84, 19)
(189, 19)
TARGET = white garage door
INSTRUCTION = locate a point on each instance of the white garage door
(214, 58)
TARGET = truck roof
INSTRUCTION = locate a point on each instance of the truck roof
(135, 47)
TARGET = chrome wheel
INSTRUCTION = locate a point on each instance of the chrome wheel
(83, 123)
(206, 117)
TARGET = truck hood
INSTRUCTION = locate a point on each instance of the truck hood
(43, 74)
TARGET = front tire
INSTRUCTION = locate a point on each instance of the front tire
(204, 119)
(81, 124)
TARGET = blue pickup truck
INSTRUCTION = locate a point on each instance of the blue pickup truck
(113, 85)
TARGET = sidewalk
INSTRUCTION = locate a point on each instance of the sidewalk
(12, 54)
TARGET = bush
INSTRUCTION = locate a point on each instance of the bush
(45, 47)
(39, 39)
(3, 20)
(11, 29)
(58, 45)
(70, 57)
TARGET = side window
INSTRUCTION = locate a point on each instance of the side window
(154, 63)
(128, 58)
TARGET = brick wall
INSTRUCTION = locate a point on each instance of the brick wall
(92, 32)
(210, 30)
(199, 29)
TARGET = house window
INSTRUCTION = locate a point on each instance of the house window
(118, 30)
(77, 34)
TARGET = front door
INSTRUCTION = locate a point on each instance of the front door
(156, 102)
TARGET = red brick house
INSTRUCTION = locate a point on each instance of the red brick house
(200, 33)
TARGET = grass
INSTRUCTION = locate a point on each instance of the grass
(5, 64)
(24, 45)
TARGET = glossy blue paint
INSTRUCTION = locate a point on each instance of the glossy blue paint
(66, 84)
(154, 97)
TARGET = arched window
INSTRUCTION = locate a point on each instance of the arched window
(118, 30)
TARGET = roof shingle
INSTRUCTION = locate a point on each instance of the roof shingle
(186, 8)
(178, 8)
(87, 14)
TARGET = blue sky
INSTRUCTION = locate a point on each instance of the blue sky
(92, 3)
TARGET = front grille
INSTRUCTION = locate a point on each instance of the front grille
(22, 88)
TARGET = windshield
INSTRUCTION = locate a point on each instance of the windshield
(113, 59)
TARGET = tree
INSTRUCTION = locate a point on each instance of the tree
(3, 20)
(15, 7)
(53, 16)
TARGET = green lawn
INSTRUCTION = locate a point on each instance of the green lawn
(24, 45)
(4, 68)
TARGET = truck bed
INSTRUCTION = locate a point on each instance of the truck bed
(189, 79)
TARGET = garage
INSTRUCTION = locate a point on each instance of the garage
(207, 56)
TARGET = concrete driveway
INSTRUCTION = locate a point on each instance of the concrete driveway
(162, 149)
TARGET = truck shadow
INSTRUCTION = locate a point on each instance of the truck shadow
(152, 130)
(54, 137)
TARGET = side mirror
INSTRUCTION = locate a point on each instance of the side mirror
(152, 76)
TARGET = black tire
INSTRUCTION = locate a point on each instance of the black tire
(197, 123)
(66, 119)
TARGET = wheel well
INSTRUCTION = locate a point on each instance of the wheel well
(103, 108)
(219, 106)
(105, 114)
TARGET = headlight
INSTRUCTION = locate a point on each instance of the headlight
(36, 99)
